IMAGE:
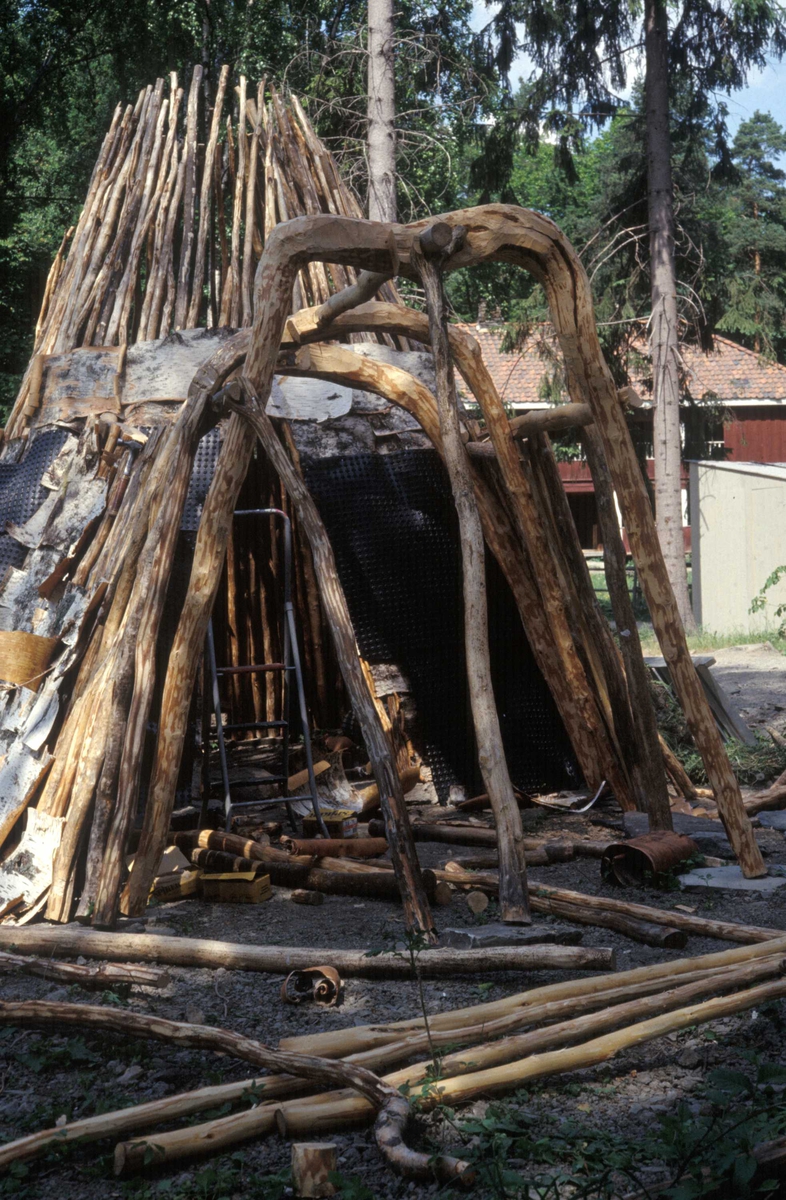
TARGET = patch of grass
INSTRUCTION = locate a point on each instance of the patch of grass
(704, 641)
(754, 765)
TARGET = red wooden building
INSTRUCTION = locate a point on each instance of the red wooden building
(734, 406)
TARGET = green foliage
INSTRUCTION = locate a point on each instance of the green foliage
(691, 1153)
(759, 602)
(753, 766)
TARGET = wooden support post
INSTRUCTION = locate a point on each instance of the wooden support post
(399, 834)
(513, 899)
(649, 776)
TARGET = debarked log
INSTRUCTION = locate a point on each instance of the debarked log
(185, 952)
(337, 847)
(340, 1110)
(391, 1106)
(107, 975)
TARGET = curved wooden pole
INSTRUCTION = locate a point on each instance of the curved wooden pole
(508, 234)
(393, 1108)
(556, 657)
(513, 899)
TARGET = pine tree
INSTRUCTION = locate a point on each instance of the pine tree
(582, 56)
(756, 238)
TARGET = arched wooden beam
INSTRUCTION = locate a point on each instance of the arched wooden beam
(505, 233)
(509, 234)
(556, 656)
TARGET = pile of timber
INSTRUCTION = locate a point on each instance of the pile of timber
(102, 548)
(182, 199)
(325, 1082)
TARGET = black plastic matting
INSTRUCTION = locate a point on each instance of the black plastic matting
(21, 493)
(202, 472)
(394, 531)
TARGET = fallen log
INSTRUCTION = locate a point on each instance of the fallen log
(106, 976)
(377, 885)
(220, 861)
(334, 1111)
(542, 896)
(565, 1032)
(541, 1018)
(270, 1087)
(392, 1107)
(468, 1087)
(210, 839)
(651, 934)
(337, 847)
(154, 1112)
(278, 960)
(342, 1042)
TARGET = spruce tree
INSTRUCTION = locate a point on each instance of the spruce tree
(583, 56)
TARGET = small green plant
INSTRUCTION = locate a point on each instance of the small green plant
(759, 602)
(414, 944)
(691, 1154)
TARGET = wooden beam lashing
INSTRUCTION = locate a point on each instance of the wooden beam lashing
(513, 899)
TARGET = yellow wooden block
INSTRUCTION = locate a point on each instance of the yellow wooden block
(176, 885)
(235, 887)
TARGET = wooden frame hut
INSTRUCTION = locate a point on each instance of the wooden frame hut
(258, 237)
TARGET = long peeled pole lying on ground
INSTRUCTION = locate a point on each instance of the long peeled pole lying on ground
(392, 1108)
(333, 1111)
(191, 952)
(341, 1042)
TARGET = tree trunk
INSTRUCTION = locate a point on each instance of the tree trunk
(664, 335)
(381, 113)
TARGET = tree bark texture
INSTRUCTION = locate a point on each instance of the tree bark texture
(381, 112)
(664, 338)
(491, 755)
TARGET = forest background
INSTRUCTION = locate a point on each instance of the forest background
(464, 137)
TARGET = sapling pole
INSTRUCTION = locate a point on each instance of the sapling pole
(491, 755)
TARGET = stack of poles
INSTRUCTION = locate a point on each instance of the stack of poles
(178, 210)
(151, 253)
(453, 1057)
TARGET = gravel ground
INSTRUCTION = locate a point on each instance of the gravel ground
(46, 1077)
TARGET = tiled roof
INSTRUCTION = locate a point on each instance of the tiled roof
(730, 372)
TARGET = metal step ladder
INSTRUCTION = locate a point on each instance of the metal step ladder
(290, 666)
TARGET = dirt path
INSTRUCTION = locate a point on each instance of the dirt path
(43, 1078)
(754, 677)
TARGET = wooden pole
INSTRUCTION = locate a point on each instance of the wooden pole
(507, 233)
(338, 1043)
(380, 751)
(491, 754)
(391, 1106)
(205, 191)
(649, 772)
(180, 951)
(189, 199)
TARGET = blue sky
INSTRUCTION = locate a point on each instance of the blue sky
(766, 88)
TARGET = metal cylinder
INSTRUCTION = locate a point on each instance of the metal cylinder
(631, 863)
